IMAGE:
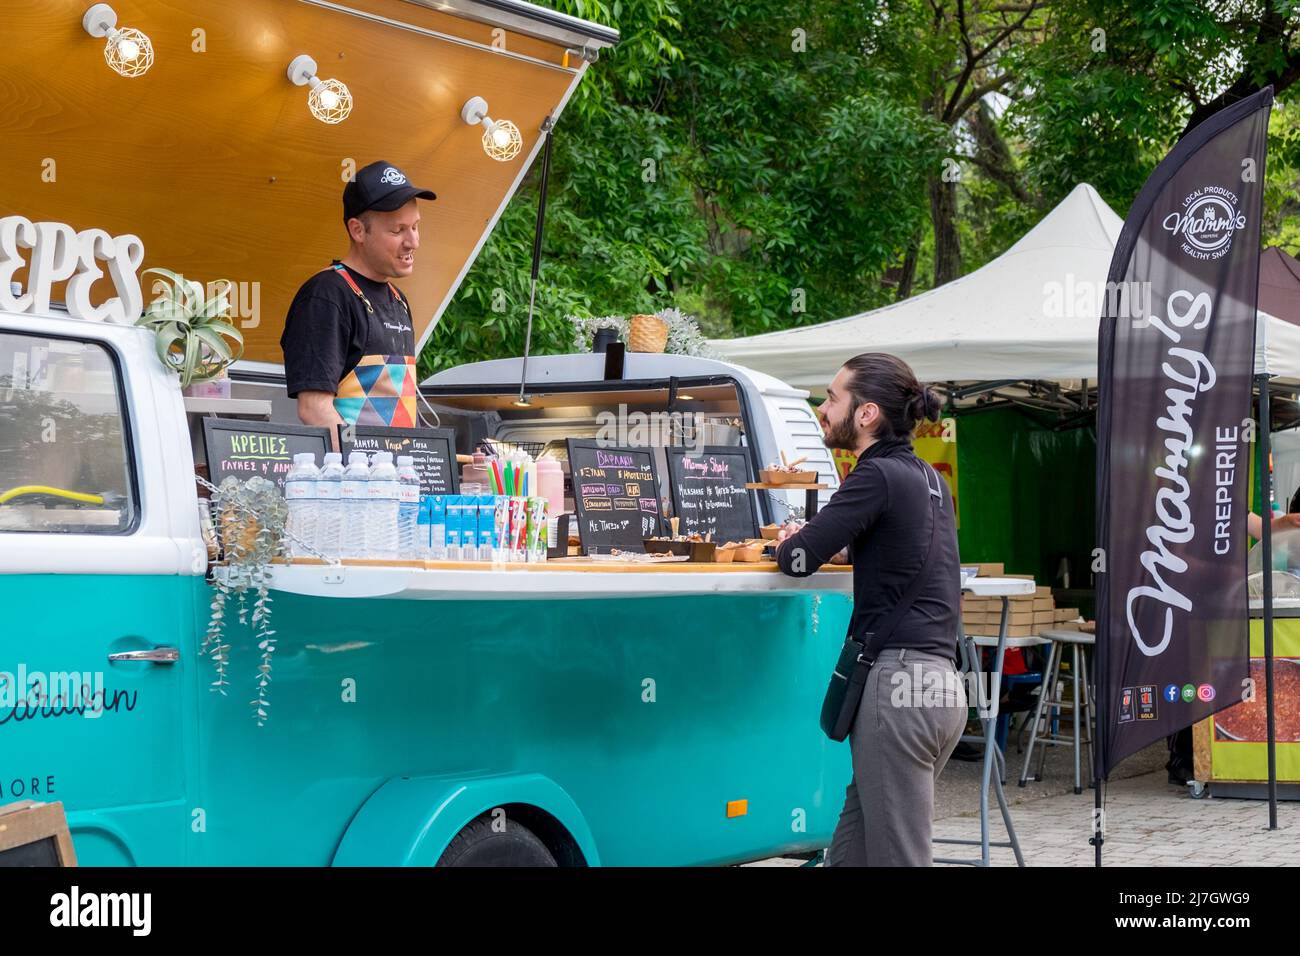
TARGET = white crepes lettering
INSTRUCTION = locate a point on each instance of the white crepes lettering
(1193, 374)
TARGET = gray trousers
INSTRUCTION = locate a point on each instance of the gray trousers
(912, 715)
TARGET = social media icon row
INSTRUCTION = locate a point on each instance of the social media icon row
(1189, 692)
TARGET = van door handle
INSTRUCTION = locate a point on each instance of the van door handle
(159, 655)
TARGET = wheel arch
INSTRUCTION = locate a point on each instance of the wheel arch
(409, 821)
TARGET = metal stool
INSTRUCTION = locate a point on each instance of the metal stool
(1048, 701)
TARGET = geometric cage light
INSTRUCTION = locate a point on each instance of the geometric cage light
(330, 101)
(128, 52)
(501, 138)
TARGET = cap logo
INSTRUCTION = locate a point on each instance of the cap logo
(393, 177)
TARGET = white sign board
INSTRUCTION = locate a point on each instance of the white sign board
(53, 253)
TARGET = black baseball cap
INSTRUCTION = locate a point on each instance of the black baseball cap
(380, 186)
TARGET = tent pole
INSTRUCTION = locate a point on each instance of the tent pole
(1266, 541)
(1097, 829)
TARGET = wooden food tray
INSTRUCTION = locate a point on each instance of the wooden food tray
(769, 477)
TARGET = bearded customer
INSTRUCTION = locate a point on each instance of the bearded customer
(349, 339)
(893, 517)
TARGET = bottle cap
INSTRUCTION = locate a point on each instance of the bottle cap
(404, 460)
(333, 458)
(384, 457)
(356, 458)
(304, 458)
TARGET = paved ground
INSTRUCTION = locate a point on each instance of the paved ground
(1148, 821)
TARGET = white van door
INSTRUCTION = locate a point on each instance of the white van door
(96, 594)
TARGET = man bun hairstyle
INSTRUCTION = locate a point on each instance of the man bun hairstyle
(888, 382)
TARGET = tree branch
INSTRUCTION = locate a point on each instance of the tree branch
(1006, 32)
(1272, 32)
(959, 98)
(979, 92)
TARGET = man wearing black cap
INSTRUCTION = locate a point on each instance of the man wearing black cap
(349, 340)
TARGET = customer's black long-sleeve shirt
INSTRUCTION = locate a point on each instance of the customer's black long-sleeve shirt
(881, 513)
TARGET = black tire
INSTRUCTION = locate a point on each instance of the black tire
(479, 845)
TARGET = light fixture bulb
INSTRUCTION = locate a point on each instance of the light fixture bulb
(330, 101)
(501, 138)
(128, 52)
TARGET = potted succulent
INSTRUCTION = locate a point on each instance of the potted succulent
(192, 334)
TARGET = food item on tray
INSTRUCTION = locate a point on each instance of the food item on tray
(693, 536)
(788, 466)
(742, 551)
(788, 472)
(636, 557)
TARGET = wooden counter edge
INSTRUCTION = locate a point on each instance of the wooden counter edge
(572, 564)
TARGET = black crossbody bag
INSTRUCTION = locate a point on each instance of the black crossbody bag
(849, 679)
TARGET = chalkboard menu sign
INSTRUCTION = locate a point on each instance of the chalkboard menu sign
(248, 449)
(615, 495)
(709, 493)
(434, 451)
(35, 834)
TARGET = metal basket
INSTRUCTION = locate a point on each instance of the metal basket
(501, 448)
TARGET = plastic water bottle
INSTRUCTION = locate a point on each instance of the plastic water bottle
(354, 493)
(300, 495)
(384, 500)
(408, 509)
(329, 505)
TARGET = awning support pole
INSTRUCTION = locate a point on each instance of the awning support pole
(1266, 542)
(547, 126)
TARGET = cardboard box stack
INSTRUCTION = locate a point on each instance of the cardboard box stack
(1029, 614)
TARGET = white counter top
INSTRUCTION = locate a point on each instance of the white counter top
(542, 582)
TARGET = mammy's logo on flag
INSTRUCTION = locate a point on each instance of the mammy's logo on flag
(1210, 216)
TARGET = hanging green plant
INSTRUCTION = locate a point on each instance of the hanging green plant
(251, 515)
(191, 333)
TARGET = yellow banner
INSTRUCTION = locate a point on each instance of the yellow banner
(936, 442)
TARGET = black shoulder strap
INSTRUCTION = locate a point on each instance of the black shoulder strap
(886, 628)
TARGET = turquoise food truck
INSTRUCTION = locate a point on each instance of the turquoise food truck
(563, 713)
(571, 712)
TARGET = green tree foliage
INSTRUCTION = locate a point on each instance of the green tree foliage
(721, 158)
(764, 165)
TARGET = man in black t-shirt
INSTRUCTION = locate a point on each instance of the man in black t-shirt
(349, 338)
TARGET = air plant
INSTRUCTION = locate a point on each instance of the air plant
(191, 333)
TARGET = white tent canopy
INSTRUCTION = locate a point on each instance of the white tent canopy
(1030, 314)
